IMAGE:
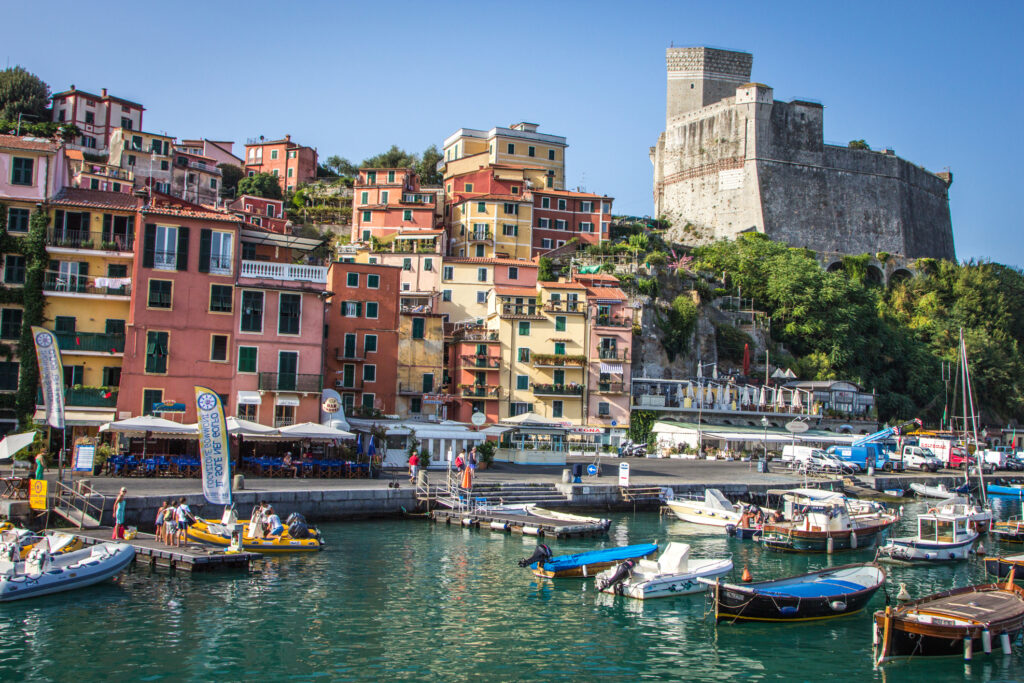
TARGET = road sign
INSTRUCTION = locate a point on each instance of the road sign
(797, 427)
(592, 470)
(478, 419)
(37, 494)
(623, 474)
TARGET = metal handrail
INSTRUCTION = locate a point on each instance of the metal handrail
(69, 497)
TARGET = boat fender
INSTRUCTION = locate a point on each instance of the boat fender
(788, 610)
(541, 554)
(620, 574)
(981, 551)
(837, 605)
(853, 540)
(903, 595)
(830, 545)
(927, 556)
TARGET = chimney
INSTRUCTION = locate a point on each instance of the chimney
(72, 87)
(288, 137)
(103, 92)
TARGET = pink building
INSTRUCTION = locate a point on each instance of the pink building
(31, 169)
(610, 344)
(388, 202)
(261, 212)
(221, 151)
(97, 116)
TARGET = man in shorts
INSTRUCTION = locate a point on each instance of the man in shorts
(184, 512)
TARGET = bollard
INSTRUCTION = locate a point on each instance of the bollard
(566, 476)
(239, 482)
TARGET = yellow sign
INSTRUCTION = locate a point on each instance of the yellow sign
(37, 495)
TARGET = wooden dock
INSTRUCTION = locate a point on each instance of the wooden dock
(193, 558)
(528, 525)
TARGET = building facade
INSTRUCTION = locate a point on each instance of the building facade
(290, 162)
(388, 204)
(97, 116)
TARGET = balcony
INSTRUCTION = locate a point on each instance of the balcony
(479, 236)
(90, 342)
(565, 307)
(479, 391)
(289, 381)
(289, 272)
(58, 283)
(613, 321)
(477, 337)
(83, 239)
(346, 355)
(611, 387)
(560, 360)
(531, 311)
(558, 389)
(613, 354)
(477, 361)
(85, 397)
(356, 384)
(415, 389)
(106, 170)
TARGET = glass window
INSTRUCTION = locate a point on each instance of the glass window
(560, 323)
(522, 382)
(247, 356)
(384, 197)
(369, 373)
(524, 355)
(219, 347)
(220, 253)
(511, 148)
(352, 280)
(481, 207)
(604, 409)
(220, 298)
(252, 312)
(551, 155)
(288, 318)
(156, 352)
(159, 294)
(370, 343)
(9, 375)
(415, 405)
(531, 151)
(428, 264)
(114, 326)
(10, 323)
(373, 281)
(481, 275)
(418, 326)
(65, 324)
(468, 187)
(150, 397)
(481, 296)
(391, 176)
(247, 412)
(21, 170)
(446, 295)
(524, 328)
(17, 220)
(556, 409)
(513, 273)
(14, 269)
(165, 256)
(371, 309)
(407, 264)
(428, 382)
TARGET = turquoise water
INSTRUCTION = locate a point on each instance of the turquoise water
(407, 600)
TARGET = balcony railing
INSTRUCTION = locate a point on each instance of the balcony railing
(79, 284)
(558, 389)
(611, 387)
(414, 389)
(95, 397)
(565, 307)
(90, 341)
(479, 337)
(521, 311)
(558, 360)
(287, 381)
(480, 391)
(267, 270)
(477, 361)
(613, 321)
(84, 239)
(620, 355)
(356, 384)
(479, 235)
(115, 172)
(343, 354)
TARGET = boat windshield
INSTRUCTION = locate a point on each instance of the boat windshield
(931, 528)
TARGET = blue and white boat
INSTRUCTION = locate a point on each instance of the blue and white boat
(582, 565)
(940, 538)
(1006, 490)
(42, 573)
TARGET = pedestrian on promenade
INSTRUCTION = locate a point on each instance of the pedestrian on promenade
(119, 505)
(472, 458)
(40, 464)
(159, 522)
(460, 460)
(184, 512)
(414, 466)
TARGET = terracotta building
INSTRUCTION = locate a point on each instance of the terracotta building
(289, 161)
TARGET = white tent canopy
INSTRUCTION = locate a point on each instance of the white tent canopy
(314, 432)
(12, 443)
(250, 430)
(532, 419)
(154, 425)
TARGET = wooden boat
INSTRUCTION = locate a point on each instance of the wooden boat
(674, 573)
(955, 622)
(852, 488)
(823, 523)
(980, 516)
(1002, 566)
(818, 595)
(940, 538)
(940, 491)
(1009, 531)
(714, 509)
(532, 509)
(1006, 490)
(41, 573)
(582, 565)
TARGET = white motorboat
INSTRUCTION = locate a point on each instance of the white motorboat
(940, 538)
(674, 573)
(980, 516)
(714, 509)
(533, 509)
(940, 491)
(42, 573)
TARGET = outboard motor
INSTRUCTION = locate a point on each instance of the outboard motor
(541, 554)
(296, 517)
(298, 529)
(620, 575)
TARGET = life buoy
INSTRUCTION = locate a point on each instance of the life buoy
(932, 511)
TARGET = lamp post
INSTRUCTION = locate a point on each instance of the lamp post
(764, 423)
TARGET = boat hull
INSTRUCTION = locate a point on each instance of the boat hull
(1002, 566)
(686, 583)
(1008, 532)
(696, 513)
(1006, 491)
(68, 577)
(748, 603)
(585, 565)
(744, 533)
(784, 539)
(201, 533)
(913, 550)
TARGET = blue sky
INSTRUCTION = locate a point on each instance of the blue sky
(938, 82)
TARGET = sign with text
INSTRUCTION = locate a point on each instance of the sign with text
(85, 455)
(51, 375)
(623, 474)
(213, 447)
(37, 494)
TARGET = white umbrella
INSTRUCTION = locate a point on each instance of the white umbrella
(314, 432)
(796, 400)
(152, 424)
(763, 399)
(250, 430)
(714, 371)
(689, 390)
(700, 369)
(12, 443)
(708, 397)
(780, 401)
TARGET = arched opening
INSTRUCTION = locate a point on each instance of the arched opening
(874, 275)
(835, 267)
(899, 275)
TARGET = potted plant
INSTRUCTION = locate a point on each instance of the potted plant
(485, 454)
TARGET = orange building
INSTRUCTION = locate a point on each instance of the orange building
(388, 202)
(289, 161)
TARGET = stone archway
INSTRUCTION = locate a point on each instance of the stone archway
(835, 267)
(874, 275)
(900, 275)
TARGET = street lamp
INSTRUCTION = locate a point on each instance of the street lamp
(765, 423)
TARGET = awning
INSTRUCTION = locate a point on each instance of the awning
(611, 368)
(79, 418)
(250, 398)
(287, 400)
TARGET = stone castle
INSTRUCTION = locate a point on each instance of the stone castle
(732, 159)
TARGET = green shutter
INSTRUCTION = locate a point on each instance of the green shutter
(183, 248)
(149, 246)
(205, 238)
(107, 227)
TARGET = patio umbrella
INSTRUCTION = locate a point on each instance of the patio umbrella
(689, 390)
(780, 400)
(250, 430)
(151, 424)
(708, 397)
(12, 443)
(796, 400)
(314, 432)
(700, 369)
(762, 401)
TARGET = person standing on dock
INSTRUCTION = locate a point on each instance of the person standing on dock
(40, 464)
(159, 522)
(184, 512)
(414, 466)
(119, 505)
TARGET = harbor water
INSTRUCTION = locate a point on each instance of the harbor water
(409, 600)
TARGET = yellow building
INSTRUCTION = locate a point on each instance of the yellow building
(147, 155)
(492, 226)
(420, 364)
(543, 335)
(88, 293)
(468, 149)
(466, 283)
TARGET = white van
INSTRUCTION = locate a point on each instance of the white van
(800, 453)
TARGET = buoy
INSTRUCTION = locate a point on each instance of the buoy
(1004, 642)
(981, 550)
(903, 595)
(747, 578)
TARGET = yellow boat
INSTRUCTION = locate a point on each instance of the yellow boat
(215, 533)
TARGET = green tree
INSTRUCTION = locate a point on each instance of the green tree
(260, 185)
(545, 270)
(36, 262)
(230, 176)
(22, 92)
(677, 325)
(341, 166)
(858, 144)
(426, 168)
(393, 158)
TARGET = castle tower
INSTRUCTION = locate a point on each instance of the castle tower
(699, 76)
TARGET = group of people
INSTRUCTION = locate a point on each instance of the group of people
(465, 465)
(264, 522)
(172, 520)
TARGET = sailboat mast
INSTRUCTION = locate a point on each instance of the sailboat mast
(969, 398)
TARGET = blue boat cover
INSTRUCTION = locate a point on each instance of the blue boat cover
(822, 588)
(625, 552)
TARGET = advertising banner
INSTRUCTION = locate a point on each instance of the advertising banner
(214, 452)
(51, 375)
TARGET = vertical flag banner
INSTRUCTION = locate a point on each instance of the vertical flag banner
(213, 447)
(51, 375)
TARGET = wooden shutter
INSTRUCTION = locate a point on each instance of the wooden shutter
(205, 239)
(149, 246)
(108, 221)
(183, 248)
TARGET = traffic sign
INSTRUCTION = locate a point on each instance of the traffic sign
(623, 474)
(592, 470)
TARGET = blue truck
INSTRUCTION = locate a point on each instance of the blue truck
(870, 451)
